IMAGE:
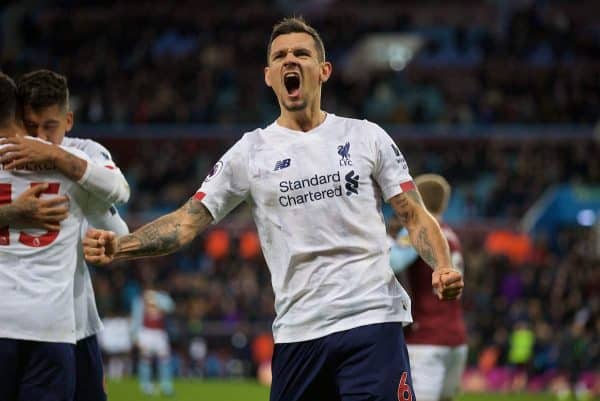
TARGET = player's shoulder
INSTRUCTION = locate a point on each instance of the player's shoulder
(78, 143)
(255, 137)
(253, 134)
(89, 147)
(350, 123)
(359, 122)
(364, 128)
(362, 123)
(75, 151)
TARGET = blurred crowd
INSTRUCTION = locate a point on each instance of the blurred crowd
(202, 62)
(535, 323)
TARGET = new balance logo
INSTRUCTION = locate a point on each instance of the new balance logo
(351, 183)
(281, 164)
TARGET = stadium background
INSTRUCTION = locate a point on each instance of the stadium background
(500, 97)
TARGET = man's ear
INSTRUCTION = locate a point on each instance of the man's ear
(326, 70)
(267, 79)
(70, 120)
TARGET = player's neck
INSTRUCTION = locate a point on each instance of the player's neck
(303, 120)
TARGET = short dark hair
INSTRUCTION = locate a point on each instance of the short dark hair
(435, 191)
(8, 100)
(296, 25)
(43, 88)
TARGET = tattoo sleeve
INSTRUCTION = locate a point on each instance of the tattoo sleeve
(166, 234)
(424, 231)
(425, 249)
(70, 165)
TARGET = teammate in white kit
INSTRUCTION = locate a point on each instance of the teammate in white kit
(45, 101)
(37, 267)
(315, 184)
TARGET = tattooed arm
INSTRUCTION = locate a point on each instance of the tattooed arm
(428, 240)
(160, 237)
(70, 165)
(22, 151)
(106, 184)
(424, 231)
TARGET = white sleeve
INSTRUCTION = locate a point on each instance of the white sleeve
(76, 152)
(102, 178)
(227, 184)
(109, 220)
(98, 213)
(390, 169)
(105, 183)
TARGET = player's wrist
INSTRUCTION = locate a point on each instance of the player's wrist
(117, 248)
(441, 271)
(70, 165)
(56, 154)
(13, 212)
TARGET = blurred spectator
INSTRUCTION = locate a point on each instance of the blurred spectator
(115, 343)
(151, 337)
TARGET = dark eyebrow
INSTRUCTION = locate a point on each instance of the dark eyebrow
(294, 50)
(278, 53)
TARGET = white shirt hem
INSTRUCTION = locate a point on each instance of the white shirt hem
(287, 336)
(88, 333)
(33, 337)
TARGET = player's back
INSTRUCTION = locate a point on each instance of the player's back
(37, 266)
(435, 322)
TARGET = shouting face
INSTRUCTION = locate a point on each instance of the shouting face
(295, 71)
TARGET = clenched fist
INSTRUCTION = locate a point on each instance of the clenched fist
(447, 282)
(100, 246)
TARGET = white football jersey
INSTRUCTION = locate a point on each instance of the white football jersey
(316, 199)
(87, 319)
(95, 151)
(37, 266)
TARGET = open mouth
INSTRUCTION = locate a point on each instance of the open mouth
(291, 80)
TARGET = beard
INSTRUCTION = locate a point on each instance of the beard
(295, 106)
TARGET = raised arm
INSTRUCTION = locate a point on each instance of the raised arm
(164, 235)
(107, 184)
(428, 240)
(21, 151)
